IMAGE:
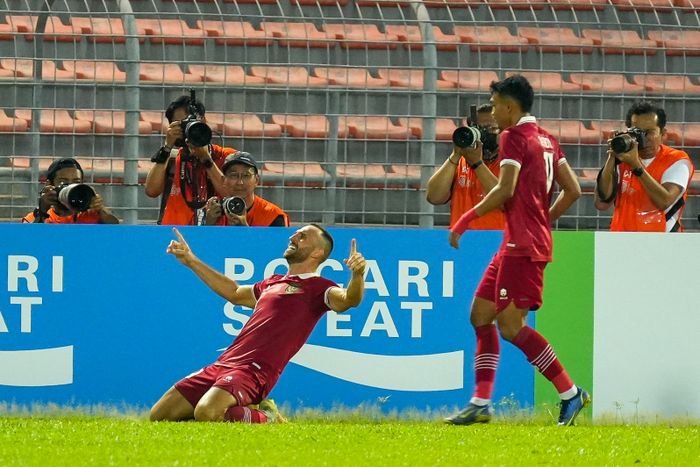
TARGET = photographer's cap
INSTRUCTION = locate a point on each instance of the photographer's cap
(62, 163)
(239, 157)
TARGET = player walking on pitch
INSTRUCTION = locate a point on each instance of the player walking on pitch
(530, 160)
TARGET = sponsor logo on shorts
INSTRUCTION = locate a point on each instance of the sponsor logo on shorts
(504, 294)
(228, 379)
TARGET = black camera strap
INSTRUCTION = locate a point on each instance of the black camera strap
(672, 212)
(169, 175)
(195, 185)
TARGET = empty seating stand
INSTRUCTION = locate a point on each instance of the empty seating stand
(570, 131)
(491, 38)
(610, 83)
(413, 79)
(109, 122)
(296, 34)
(684, 42)
(231, 75)
(548, 81)
(667, 84)
(55, 121)
(474, 80)
(235, 33)
(620, 42)
(361, 36)
(557, 40)
(249, 125)
(351, 77)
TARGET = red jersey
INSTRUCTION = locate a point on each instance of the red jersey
(286, 313)
(528, 230)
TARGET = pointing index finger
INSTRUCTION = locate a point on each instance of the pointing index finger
(353, 247)
(179, 236)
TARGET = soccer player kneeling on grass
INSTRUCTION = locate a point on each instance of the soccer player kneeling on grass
(530, 160)
(234, 387)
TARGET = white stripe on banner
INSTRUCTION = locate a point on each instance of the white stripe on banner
(40, 367)
(433, 372)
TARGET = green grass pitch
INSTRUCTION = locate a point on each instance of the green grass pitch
(75, 439)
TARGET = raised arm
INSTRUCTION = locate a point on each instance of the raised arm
(341, 299)
(216, 281)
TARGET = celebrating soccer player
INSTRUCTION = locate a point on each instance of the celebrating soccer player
(232, 387)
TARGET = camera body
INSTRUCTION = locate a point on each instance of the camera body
(75, 196)
(467, 136)
(195, 130)
(623, 140)
(233, 206)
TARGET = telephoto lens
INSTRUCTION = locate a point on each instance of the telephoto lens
(233, 205)
(621, 143)
(76, 196)
(198, 133)
(466, 137)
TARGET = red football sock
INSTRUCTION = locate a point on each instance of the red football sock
(541, 355)
(486, 360)
(244, 415)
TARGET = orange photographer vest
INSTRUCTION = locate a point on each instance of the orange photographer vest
(262, 214)
(86, 217)
(634, 210)
(177, 212)
(467, 191)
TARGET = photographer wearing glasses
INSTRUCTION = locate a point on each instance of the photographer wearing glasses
(187, 167)
(470, 171)
(644, 179)
(65, 199)
(241, 206)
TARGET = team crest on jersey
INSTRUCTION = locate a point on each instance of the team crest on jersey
(292, 288)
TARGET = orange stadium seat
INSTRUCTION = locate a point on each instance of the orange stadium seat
(613, 83)
(110, 122)
(55, 121)
(100, 29)
(684, 42)
(166, 73)
(643, 5)
(615, 41)
(288, 76)
(298, 34)
(692, 4)
(451, 3)
(607, 128)
(548, 81)
(685, 134)
(410, 78)
(578, 4)
(255, 1)
(667, 84)
(474, 80)
(518, 4)
(412, 39)
(157, 120)
(312, 2)
(55, 30)
(351, 77)
(95, 71)
(373, 127)
(301, 174)
(12, 124)
(444, 127)
(234, 33)
(571, 131)
(361, 175)
(250, 125)
(361, 36)
(24, 68)
(490, 38)
(303, 126)
(232, 75)
(383, 3)
(559, 40)
(404, 175)
(169, 31)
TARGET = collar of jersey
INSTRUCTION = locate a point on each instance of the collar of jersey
(305, 275)
(527, 119)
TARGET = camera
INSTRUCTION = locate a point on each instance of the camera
(76, 196)
(233, 205)
(195, 130)
(467, 136)
(622, 141)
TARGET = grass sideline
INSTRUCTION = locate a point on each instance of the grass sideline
(50, 435)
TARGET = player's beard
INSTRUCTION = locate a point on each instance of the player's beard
(296, 255)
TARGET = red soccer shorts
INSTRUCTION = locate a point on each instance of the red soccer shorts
(242, 383)
(513, 279)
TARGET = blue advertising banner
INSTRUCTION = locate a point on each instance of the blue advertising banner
(102, 315)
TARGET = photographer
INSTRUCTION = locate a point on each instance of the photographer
(644, 179)
(186, 170)
(64, 199)
(468, 174)
(241, 206)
